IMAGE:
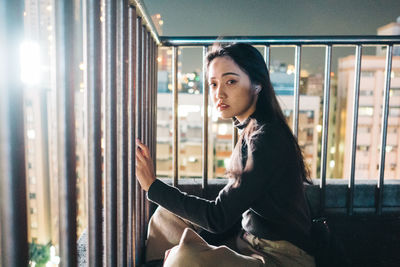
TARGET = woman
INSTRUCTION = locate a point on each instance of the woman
(266, 189)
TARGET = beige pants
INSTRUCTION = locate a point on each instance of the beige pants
(178, 241)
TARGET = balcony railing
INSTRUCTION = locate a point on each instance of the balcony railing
(122, 63)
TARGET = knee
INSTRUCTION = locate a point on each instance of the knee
(162, 215)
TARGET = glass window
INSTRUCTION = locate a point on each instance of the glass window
(394, 111)
(367, 74)
(366, 111)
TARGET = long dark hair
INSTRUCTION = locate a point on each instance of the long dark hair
(250, 60)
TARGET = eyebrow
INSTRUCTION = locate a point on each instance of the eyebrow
(227, 73)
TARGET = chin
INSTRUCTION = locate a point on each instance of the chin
(225, 116)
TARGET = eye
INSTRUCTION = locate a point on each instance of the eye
(212, 85)
(231, 82)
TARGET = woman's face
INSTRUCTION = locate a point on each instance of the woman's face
(231, 89)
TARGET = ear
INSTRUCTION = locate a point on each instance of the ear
(257, 89)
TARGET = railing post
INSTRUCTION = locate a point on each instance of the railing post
(13, 213)
(132, 45)
(122, 132)
(94, 83)
(384, 124)
(139, 241)
(267, 55)
(205, 121)
(296, 91)
(65, 54)
(175, 115)
(325, 126)
(110, 155)
(354, 129)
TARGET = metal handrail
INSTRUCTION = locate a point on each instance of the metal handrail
(141, 11)
(282, 40)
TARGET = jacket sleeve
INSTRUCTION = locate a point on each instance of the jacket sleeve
(234, 199)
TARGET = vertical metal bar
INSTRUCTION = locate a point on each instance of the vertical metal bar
(205, 121)
(139, 241)
(132, 136)
(155, 71)
(122, 121)
(354, 129)
(296, 91)
(148, 120)
(145, 98)
(65, 55)
(144, 129)
(325, 126)
(93, 103)
(389, 55)
(111, 134)
(175, 114)
(13, 213)
(267, 55)
(150, 85)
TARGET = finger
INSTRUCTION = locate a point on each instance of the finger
(144, 148)
(140, 156)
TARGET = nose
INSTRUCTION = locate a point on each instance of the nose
(220, 92)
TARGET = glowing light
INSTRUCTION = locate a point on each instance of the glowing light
(49, 8)
(81, 66)
(31, 134)
(30, 62)
(227, 161)
(333, 150)
(53, 257)
(159, 59)
(223, 129)
(332, 163)
(319, 128)
(161, 22)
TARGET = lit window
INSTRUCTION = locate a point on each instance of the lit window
(31, 134)
(394, 91)
(366, 111)
(366, 92)
(394, 111)
(367, 74)
(362, 148)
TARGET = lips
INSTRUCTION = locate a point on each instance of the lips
(222, 106)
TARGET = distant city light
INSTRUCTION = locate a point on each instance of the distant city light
(222, 129)
(332, 163)
(30, 62)
(54, 259)
(319, 128)
(227, 162)
(31, 134)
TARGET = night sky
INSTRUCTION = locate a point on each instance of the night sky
(276, 17)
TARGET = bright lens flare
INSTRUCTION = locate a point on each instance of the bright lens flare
(30, 63)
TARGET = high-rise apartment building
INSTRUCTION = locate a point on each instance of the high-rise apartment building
(370, 113)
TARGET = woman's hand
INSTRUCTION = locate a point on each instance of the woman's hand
(144, 166)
